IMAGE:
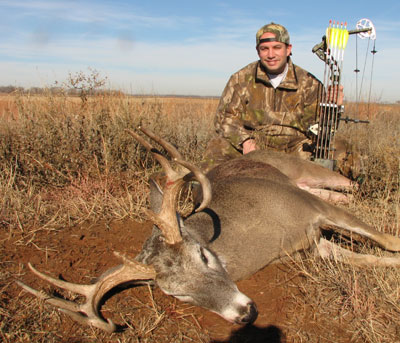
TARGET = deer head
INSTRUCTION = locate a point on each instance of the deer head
(179, 264)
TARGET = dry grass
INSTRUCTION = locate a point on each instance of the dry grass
(63, 164)
(364, 301)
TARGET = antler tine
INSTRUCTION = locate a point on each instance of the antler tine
(199, 175)
(171, 174)
(88, 312)
(166, 145)
(166, 220)
(167, 214)
(171, 191)
(204, 182)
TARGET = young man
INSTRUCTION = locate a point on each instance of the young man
(270, 103)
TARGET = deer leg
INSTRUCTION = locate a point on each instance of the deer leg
(327, 249)
(328, 195)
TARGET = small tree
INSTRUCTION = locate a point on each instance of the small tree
(85, 84)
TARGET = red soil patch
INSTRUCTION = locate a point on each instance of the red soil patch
(80, 253)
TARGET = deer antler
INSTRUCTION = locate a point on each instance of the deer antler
(88, 313)
(171, 174)
(166, 220)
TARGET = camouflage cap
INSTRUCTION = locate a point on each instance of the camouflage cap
(280, 32)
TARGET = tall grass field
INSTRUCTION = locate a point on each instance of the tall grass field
(65, 163)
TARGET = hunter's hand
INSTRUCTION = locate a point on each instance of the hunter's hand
(249, 145)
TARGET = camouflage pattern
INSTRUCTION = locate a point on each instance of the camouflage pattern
(279, 119)
(251, 108)
(280, 32)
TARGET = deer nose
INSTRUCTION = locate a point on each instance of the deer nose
(250, 314)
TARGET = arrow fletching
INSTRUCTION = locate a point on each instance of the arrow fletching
(345, 38)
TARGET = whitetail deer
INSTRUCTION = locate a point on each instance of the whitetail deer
(313, 178)
(255, 216)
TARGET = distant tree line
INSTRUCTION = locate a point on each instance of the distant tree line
(31, 90)
(51, 90)
(77, 92)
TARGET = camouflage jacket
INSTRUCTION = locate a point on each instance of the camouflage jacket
(250, 107)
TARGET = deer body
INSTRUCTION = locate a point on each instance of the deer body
(249, 215)
(270, 218)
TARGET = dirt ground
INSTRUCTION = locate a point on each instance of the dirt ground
(79, 254)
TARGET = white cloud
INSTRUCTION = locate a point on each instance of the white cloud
(194, 55)
(178, 68)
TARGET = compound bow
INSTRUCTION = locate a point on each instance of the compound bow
(331, 52)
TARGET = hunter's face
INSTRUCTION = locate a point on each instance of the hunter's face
(273, 55)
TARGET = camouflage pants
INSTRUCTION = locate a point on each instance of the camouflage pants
(348, 161)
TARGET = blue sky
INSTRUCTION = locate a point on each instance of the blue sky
(184, 47)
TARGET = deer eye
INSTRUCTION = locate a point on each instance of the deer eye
(203, 256)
